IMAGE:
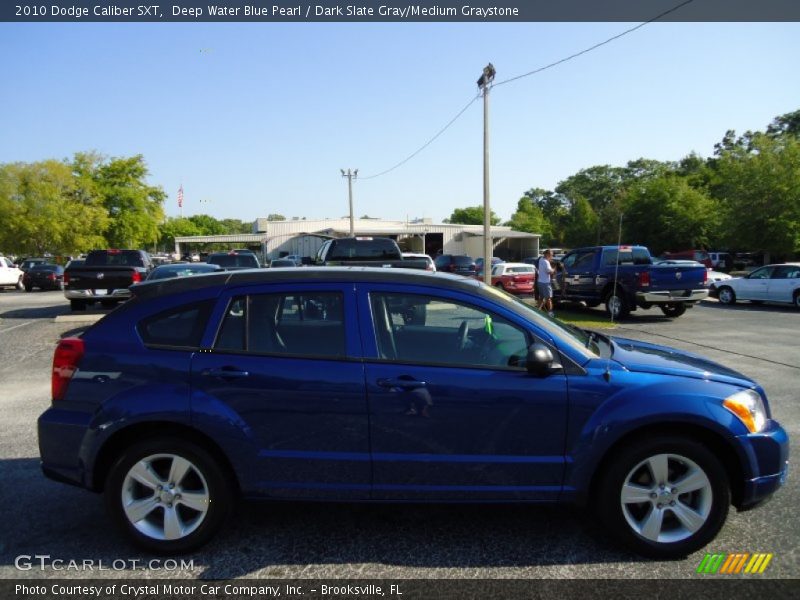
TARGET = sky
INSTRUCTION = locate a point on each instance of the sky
(259, 118)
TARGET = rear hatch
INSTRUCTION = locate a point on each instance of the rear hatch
(462, 265)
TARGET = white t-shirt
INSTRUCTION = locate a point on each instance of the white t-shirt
(545, 270)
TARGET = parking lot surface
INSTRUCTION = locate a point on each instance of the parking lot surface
(384, 541)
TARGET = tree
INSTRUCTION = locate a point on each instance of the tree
(207, 225)
(275, 217)
(581, 227)
(472, 215)
(176, 227)
(529, 218)
(601, 186)
(760, 192)
(788, 124)
(666, 213)
(134, 207)
(45, 210)
(233, 226)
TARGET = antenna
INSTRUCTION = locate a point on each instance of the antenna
(607, 374)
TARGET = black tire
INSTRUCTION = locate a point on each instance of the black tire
(708, 504)
(797, 299)
(500, 285)
(592, 304)
(28, 288)
(108, 303)
(77, 305)
(673, 310)
(726, 295)
(20, 284)
(206, 475)
(616, 306)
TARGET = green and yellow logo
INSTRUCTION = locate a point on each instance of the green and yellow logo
(731, 564)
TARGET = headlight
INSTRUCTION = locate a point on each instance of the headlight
(748, 406)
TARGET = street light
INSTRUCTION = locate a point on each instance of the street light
(350, 175)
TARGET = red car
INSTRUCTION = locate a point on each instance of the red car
(516, 278)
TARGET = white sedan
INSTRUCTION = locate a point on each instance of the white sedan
(10, 275)
(772, 283)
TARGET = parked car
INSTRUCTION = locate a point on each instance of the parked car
(10, 274)
(460, 264)
(233, 260)
(282, 263)
(182, 270)
(515, 278)
(105, 277)
(479, 263)
(304, 384)
(700, 256)
(431, 266)
(365, 252)
(721, 260)
(296, 258)
(29, 263)
(772, 283)
(44, 277)
(624, 279)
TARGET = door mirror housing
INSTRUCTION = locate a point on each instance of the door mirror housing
(540, 361)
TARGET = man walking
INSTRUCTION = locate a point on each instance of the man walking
(544, 284)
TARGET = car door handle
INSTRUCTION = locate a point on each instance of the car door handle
(225, 373)
(400, 382)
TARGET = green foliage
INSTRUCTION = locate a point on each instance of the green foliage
(669, 214)
(233, 226)
(760, 191)
(472, 215)
(207, 225)
(529, 218)
(275, 217)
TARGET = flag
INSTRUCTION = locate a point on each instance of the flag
(180, 196)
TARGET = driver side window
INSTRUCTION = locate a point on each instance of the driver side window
(419, 329)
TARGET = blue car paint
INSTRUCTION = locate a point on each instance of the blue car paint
(332, 434)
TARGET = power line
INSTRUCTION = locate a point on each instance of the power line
(596, 46)
(539, 70)
(426, 144)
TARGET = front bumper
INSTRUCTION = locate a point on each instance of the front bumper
(767, 455)
(97, 294)
(671, 296)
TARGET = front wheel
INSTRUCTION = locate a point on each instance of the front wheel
(797, 299)
(20, 284)
(726, 295)
(665, 497)
(28, 288)
(77, 305)
(169, 495)
(673, 310)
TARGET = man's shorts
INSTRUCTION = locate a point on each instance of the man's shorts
(545, 289)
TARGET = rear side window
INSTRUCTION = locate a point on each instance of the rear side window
(114, 258)
(306, 324)
(234, 260)
(463, 261)
(627, 256)
(363, 249)
(178, 328)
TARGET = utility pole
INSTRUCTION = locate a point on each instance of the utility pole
(484, 83)
(350, 175)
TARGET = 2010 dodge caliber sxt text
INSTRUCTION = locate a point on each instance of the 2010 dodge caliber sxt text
(314, 384)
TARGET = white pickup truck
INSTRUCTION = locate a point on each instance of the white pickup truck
(10, 275)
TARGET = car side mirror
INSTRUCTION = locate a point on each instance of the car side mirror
(540, 361)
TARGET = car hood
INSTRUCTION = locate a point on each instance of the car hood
(643, 357)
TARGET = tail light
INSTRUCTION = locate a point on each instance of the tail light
(52, 276)
(644, 279)
(66, 359)
(705, 277)
(66, 277)
(137, 277)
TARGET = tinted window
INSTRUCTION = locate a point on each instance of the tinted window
(364, 249)
(180, 327)
(451, 333)
(627, 256)
(308, 324)
(46, 268)
(234, 260)
(463, 261)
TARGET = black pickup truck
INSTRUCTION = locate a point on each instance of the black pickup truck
(624, 278)
(105, 276)
(366, 252)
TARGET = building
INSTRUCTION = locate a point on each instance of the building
(304, 237)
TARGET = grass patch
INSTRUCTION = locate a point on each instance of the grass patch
(579, 315)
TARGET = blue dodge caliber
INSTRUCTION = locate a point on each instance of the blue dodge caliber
(393, 385)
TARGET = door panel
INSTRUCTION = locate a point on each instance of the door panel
(451, 416)
(299, 395)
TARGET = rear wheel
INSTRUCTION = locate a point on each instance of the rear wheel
(28, 288)
(726, 295)
(616, 306)
(797, 299)
(169, 495)
(665, 497)
(673, 310)
(77, 305)
(20, 285)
